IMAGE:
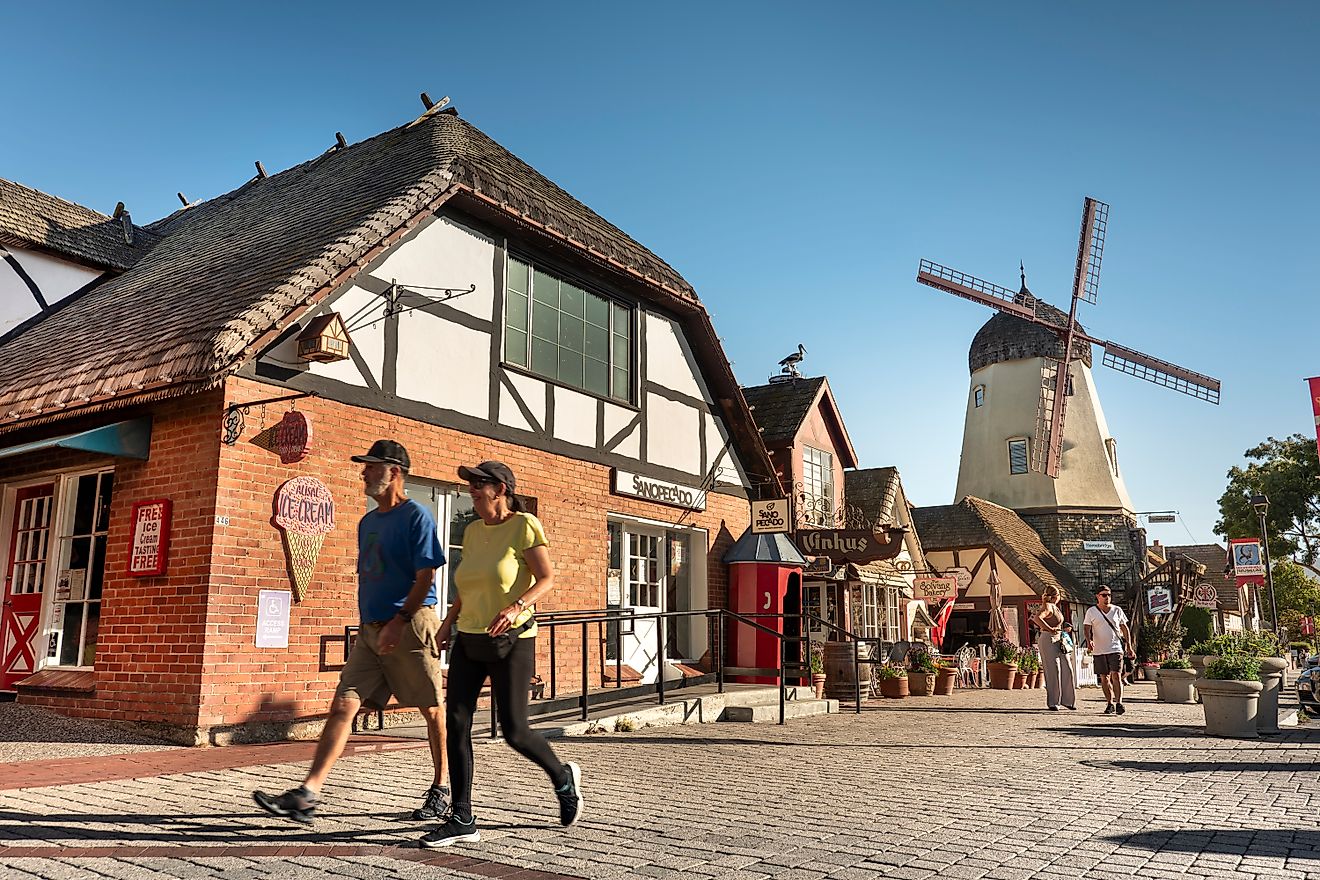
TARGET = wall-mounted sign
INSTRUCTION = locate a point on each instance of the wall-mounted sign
(273, 619)
(1162, 518)
(849, 545)
(964, 606)
(1159, 600)
(770, 517)
(935, 589)
(1097, 545)
(149, 546)
(1245, 554)
(659, 491)
(1204, 596)
(290, 439)
(962, 574)
(305, 513)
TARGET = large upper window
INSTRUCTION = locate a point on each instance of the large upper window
(559, 330)
(818, 485)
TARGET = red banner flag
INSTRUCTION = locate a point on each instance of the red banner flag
(1315, 407)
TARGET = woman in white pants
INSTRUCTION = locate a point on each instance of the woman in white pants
(1059, 690)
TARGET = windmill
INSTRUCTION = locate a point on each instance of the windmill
(1048, 448)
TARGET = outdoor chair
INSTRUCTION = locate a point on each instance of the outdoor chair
(966, 667)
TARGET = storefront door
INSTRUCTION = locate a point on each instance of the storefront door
(644, 585)
(24, 580)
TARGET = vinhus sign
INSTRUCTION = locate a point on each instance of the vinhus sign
(849, 545)
(659, 491)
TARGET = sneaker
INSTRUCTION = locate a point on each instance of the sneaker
(298, 804)
(1120, 708)
(1109, 709)
(1070, 708)
(436, 805)
(570, 796)
(1052, 708)
(453, 831)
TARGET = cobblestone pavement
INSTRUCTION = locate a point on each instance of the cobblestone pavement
(981, 784)
(29, 733)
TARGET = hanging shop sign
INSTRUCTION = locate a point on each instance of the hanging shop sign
(1204, 596)
(1097, 545)
(291, 439)
(273, 619)
(1159, 600)
(935, 589)
(659, 491)
(1245, 557)
(305, 513)
(149, 546)
(770, 517)
(962, 574)
(849, 545)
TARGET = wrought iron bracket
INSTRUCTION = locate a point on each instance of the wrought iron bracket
(236, 414)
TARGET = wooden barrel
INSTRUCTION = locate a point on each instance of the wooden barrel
(840, 683)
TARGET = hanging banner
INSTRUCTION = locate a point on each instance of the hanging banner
(1245, 557)
(850, 545)
(1204, 596)
(770, 517)
(1315, 407)
(935, 589)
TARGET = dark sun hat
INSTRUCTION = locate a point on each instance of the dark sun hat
(385, 452)
(495, 471)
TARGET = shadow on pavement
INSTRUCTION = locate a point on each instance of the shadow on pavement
(1209, 766)
(1129, 730)
(1292, 844)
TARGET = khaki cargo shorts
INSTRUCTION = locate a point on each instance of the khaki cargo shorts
(411, 672)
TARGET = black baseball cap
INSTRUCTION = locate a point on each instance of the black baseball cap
(386, 452)
(1101, 589)
(496, 471)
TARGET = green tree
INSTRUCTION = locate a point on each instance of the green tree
(1298, 595)
(1288, 472)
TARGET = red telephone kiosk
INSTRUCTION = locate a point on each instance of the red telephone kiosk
(765, 577)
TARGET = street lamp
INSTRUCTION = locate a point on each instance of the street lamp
(1262, 505)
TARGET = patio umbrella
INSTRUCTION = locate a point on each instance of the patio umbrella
(998, 624)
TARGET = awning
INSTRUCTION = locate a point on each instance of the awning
(764, 548)
(131, 439)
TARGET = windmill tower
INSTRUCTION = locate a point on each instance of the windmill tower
(1035, 438)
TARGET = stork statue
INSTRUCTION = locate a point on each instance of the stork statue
(790, 363)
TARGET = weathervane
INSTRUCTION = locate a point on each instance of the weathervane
(789, 365)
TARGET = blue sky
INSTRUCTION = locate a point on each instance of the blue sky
(795, 163)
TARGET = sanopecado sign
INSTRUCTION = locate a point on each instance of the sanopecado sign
(659, 491)
(849, 545)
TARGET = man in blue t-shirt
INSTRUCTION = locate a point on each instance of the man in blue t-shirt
(396, 652)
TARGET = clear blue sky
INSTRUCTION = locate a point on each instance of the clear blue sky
(794, 162)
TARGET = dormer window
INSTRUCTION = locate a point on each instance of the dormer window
(978, 396)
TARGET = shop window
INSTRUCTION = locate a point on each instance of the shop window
(817, 486)
(560, 330)
(877, 613)
(76, 607)
(978, 395)
(653, 569)
(1017, 455)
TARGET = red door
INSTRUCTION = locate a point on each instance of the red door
(25, 575)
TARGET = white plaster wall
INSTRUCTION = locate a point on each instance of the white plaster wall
(532, 392)
(731, 472)
(369, 342)
(446, 254)
(672, 434)
(1010, 584)
(55, 277)
(510, 413)
(444, 364)
(1012, 395)
(575, 417)
(669, 358)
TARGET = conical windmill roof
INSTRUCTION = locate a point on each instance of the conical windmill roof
(1006, 337)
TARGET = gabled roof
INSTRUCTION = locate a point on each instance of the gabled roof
(878, 492)
(974, 523)
(780, 408)
(31, 218)
(1214, 557)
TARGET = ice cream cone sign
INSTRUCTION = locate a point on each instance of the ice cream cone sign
(305, 514)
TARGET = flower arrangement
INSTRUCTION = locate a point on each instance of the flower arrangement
(1006, 653)
(1176, 663)
(921, 660)
(817, 658)
(887, 672)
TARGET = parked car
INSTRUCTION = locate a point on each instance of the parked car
(1308, 688)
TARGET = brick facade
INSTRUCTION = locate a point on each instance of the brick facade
(1064, 533)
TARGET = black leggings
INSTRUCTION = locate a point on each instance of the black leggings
(509, 681)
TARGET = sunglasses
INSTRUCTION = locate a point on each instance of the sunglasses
(477, 484)
(1104, 594)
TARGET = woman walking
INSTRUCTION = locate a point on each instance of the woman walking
(1056, 661)
(505, 569)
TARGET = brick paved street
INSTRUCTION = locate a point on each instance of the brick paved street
(982, 784)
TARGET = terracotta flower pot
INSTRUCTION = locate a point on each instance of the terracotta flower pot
(921, 684)
(1019, 679)
(1038, 679)
(1001, 675)
(944, 681)
(818, 682)
(894, 688)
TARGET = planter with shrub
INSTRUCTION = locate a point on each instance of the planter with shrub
(1230, 693)
(946, 675)
(893, 681)
(922, 670)
(1174, 680)
(1003, 666)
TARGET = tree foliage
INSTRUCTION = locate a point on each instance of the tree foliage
(1288, 472)
(1297, 593)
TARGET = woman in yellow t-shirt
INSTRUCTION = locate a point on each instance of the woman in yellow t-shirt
(504, 569)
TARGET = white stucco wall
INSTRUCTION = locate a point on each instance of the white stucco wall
(55, 278)
(444, 364)
(669, 360)
(575, 417)
(672, 436)
(445, 254)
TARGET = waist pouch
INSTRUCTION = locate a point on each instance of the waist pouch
(485, 648)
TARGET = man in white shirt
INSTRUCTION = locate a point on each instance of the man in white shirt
(1108, 638)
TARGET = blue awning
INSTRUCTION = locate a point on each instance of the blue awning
(131, 439)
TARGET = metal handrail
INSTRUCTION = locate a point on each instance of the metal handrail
(857, 641)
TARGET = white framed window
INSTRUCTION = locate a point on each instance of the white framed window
(654, 567)
(83, 527)
(452, 508)
(818, 485)
(978, 396)
(1018, 460)
(878, 614)
(1111, 447)
(560, 330)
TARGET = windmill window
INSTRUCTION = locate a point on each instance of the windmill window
(1017, 455)
(978, 395)
(1111, 447)
(559, 330)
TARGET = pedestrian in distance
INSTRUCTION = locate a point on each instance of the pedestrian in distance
(1055, 652)
(505, 569)
(397, 651)
(1108, 637)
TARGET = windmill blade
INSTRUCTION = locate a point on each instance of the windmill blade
(1090, 249)
(1047, 445)
(1152, 369)
(969, 287)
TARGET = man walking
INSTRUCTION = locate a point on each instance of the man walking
(1108, 638)
(396, 651)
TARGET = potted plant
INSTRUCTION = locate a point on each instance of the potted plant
(946, 675)
(893, 681)
(1269, 650)
(1230, 693)
(1003, 666)
(1028, 669)
(921, 673)
(1173, 681)
(817, 661)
